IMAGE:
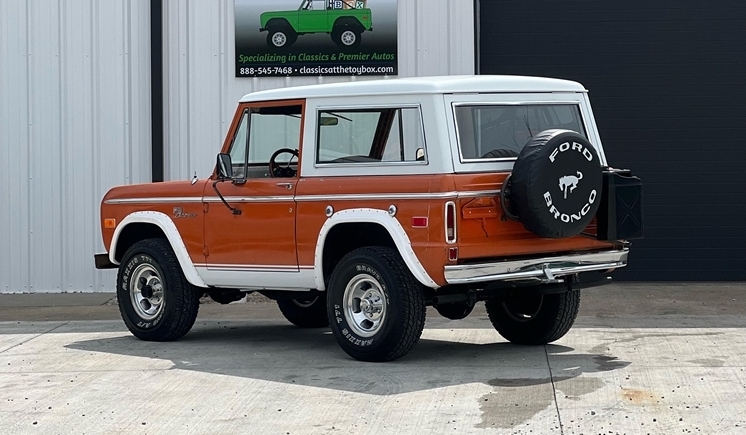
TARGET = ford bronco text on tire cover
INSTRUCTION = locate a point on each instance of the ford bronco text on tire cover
(357, 205)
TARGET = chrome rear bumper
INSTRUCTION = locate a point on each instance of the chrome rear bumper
(545, 269)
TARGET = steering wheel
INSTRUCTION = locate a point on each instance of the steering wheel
(278, 171)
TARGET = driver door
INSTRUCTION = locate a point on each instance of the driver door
(314, 18)
(256, 248)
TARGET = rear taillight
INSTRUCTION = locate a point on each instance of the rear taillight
(450, 220)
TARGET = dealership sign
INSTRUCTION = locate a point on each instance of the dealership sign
(315, 37)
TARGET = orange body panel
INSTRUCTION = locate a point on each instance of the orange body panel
(425, 243)
(483, 231)
(262, 235)
(269, 230)
(165, 198)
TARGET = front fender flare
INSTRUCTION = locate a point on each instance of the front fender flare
(168, 227)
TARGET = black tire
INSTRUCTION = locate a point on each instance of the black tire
(170, 311)
(347, 36)
(534, 319)
(226, 296)
(500, 153)
(305, 314)
(457, 311)
(555, 186)
(379, 275)
(281, 36)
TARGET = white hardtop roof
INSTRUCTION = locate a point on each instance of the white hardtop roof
(421, 85)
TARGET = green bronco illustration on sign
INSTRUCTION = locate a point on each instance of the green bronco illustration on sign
(344, 20)
(315, 37)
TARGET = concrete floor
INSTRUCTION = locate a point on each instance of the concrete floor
(659, 359)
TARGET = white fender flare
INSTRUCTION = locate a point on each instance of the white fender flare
(168, 227)
(383, 218)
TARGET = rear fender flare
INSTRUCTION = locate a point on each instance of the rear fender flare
(380, 217)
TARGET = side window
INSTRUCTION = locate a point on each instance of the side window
(370, 136)
(263, 131)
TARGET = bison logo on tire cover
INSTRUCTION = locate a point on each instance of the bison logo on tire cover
(570, 181)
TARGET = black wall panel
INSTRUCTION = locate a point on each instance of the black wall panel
(667, 81)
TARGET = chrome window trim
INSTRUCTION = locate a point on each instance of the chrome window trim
(371, 164)
(166, 199)
(308, 198)
(239, 199)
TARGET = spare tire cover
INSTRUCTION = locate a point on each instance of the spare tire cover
(555, 186)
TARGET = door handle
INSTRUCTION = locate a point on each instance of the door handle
(287, 186)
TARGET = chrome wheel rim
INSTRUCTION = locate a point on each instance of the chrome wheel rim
(365, 305)
(146, 292)
(348, 37)
(279, 39)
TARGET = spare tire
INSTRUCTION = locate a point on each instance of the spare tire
(555, 186)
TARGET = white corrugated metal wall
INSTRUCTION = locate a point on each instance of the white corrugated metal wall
(436, 37)
(75, 113)
(74, 120)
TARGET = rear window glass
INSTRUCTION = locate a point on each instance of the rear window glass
(489, 132)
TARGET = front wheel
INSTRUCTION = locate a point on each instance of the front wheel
(534, 319)
(156, 301)
(376, 307)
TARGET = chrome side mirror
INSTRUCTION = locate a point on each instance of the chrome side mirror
(225, 166)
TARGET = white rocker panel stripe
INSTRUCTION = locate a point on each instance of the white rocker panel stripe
(249, 267)
(252, 279)
(168, 227)
(392, 225)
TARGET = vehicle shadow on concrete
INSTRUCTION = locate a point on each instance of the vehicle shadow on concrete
(286, 354)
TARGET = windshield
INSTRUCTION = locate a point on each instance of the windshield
(490, 132)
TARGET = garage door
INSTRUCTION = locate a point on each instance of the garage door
(667, 80)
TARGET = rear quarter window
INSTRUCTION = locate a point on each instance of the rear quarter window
(499, 132)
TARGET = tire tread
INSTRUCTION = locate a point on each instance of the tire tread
(551, 326)
(411, 312)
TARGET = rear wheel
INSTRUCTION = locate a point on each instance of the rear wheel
(281, 36)
(376, 307)
(156, 301)
(305, 313)
(534, 319)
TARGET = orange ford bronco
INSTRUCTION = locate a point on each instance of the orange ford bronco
(357, 205)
